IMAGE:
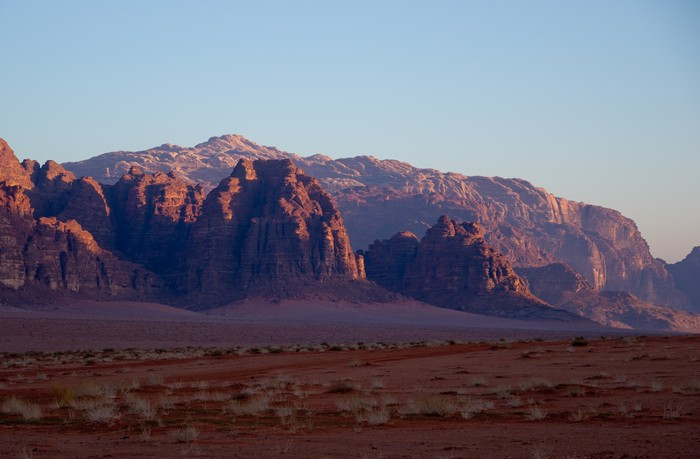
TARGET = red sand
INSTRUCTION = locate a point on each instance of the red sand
(639, 398)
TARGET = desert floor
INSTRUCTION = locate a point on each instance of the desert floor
(615, 397)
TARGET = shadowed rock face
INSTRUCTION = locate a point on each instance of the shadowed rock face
(686, 275)
(268, 225)
(268, 229)
(561, 286)
(453, 267)
(380, 197)
(152, 214)
(48, 254)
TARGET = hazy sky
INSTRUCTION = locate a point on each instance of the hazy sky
(596, 101)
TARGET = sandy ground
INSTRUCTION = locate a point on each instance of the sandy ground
(622, 397)
(96, 325)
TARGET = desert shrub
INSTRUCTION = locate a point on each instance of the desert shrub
(475, 406)
(580, 415)
(101, 414)
(250, 406)
(375, 417)
(185, 434)
(536, 413)
(535, 384)
(351, 404)
(579, 341)
(673, 411)
(27, 410)
(63, 395)
(140, 406)
(436, 406)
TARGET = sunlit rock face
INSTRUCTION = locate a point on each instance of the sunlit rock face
(378, 198)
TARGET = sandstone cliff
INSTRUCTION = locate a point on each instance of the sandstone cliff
(268, 227)
(380, 197)
(453, 267)
(48, 254)
(563, 287)
(686, 275)
(152, 215)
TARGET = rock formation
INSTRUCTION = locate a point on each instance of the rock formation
(380, 197)
(453, 267)
(686, 275)
(48, 254)
(561, 286)
(268, 227)
(151, 215)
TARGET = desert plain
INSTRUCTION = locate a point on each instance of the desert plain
(117, 384)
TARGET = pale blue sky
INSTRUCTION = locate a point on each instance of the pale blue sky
(597, 101)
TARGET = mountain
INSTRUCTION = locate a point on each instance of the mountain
(268, 229)
(452, 266)
(269, 226)
(562, 287)
(378, 198)
(40, 253)
(686, 275)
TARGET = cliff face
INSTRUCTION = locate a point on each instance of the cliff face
(563, 287)
(268, 229)
(49, 254)
(686, 275)
(453, 267)
(380, 197)
(152, 215)
(268, 226)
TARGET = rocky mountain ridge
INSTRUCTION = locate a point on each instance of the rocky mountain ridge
(452, 266)
(562, 287)
(265, 229)
(686, 274)
(380, 197)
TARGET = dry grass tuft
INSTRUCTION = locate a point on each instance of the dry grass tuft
(28, 411)
(536, 413)
(101, 414)
(185, 434)
(436, 406)
(475, 406)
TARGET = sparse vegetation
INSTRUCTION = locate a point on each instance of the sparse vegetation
(536, 413)
(28, 410)
(186, 434)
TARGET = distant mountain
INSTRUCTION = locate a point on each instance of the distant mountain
(452, 266)
(686, 275)
(562, 287)
(378, 198)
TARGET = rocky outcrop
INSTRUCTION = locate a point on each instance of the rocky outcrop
(58, 256)
(561, 286)
(686, 275)
(453, 267)
(268, 227)
(530, 226)
(152, 214)
(62, 255)
(11, 171)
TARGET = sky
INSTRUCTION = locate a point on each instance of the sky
(596, 101)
